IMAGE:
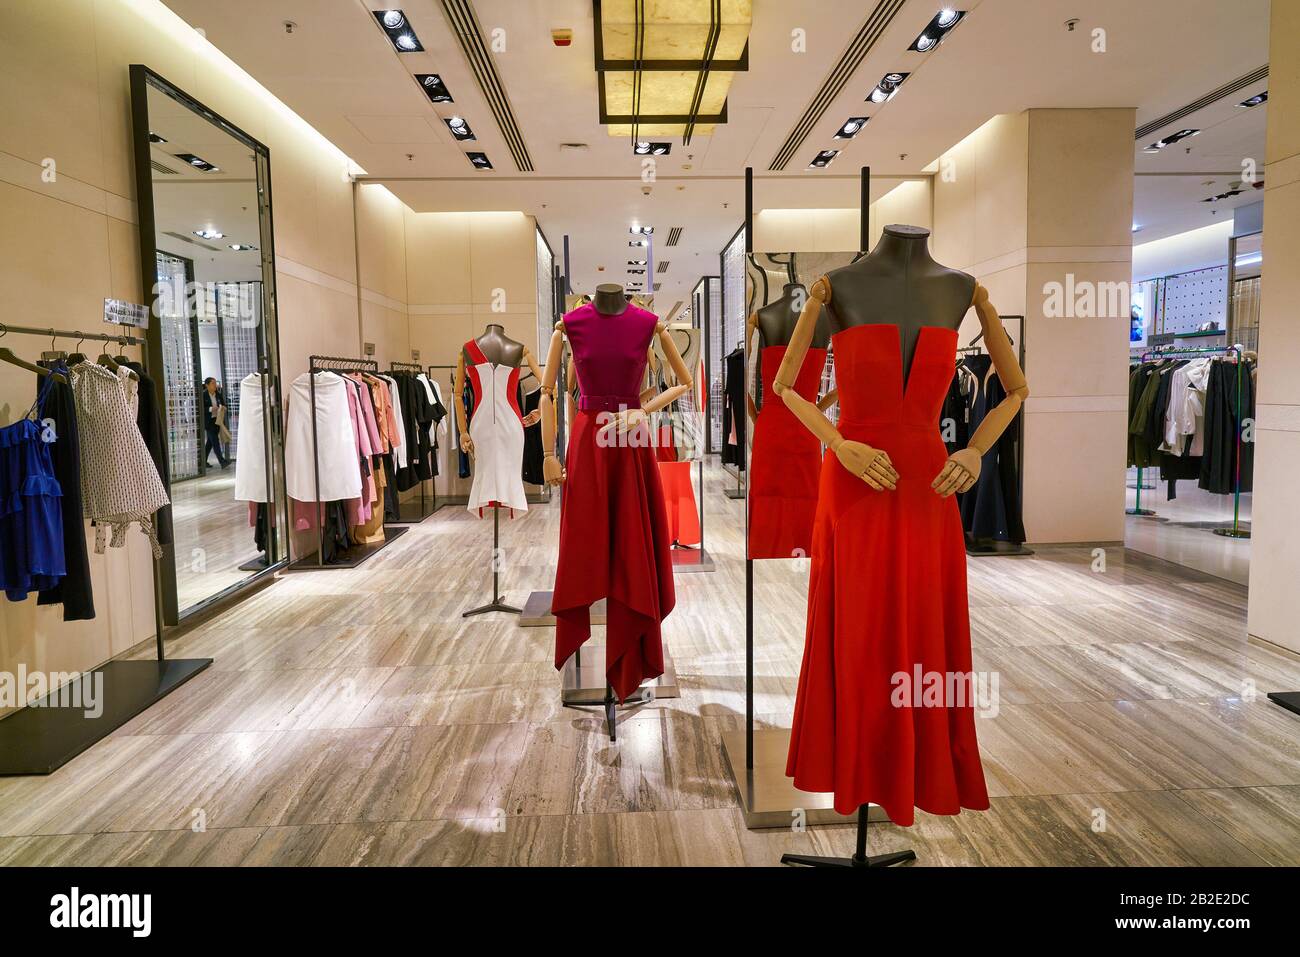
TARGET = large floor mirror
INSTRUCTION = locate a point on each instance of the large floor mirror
(208, 259)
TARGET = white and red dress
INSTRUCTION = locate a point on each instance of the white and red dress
(497, 428)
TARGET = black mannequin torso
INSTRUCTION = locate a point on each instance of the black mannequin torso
(899, 284)
(776, 320)
(610, 299)
(499, 348)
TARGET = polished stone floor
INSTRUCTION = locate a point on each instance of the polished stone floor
(352, 717)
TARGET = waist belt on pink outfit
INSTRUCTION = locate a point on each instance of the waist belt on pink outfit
(608, 403)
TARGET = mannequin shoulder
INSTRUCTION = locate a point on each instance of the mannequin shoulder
(821, 289)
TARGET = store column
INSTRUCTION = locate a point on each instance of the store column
(1275, 518)
(1038, 206)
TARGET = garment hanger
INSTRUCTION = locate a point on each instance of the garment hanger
(78, 356)
(7, 355)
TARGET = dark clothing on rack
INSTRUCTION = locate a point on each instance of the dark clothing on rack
(1141, 450)
(533, 453)
(734, 413)
(1222, 416)
(954, 419)
(991, 510)
(467, 396)
(149, 420)
(417, 416)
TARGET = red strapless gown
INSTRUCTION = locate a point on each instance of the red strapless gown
(613, 529)
(886, 596)
(784, 466)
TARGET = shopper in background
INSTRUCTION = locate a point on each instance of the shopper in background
(213, 401)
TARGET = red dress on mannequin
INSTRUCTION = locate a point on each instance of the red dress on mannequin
(613, 530)
(886, 598)
(785, 464)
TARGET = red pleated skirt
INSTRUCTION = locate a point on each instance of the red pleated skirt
(887, 605)
(614, 545)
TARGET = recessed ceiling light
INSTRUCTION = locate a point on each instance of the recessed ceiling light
(155, 138)
(209, 233)
(459, 128)
(851, 128)
(479, 160)
(433, 87)
(1137, 228)
(636, 262)
(637, 272)
(823, 159)
(641, 230)
(887, 87)
(398, 29)
(1169, 140)
(242, 247)
(937, 29)
(1255, 100)
(636, 242)
(652, 149)
(198, 162)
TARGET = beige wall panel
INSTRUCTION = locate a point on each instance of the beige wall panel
(1275, 542)
(1077, 356)
(440, 338)
(1283, 81)
(1279, 323)
(1080, 177)
(1070, 458)
(954, 206)
(1001, 180)
(381, 242)
(503, 256)
(436, 258)
(314, 320)
(388, 330)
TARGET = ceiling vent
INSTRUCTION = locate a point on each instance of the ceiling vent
(658, 286)
(165, 170)
(460, 13)
(674, 236)
(838, 78)
(1228, 89)
(662, 267)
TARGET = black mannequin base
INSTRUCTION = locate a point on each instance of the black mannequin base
(496, 604)
(859, 858)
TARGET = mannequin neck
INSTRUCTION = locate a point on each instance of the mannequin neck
(494, 330)
(792, 289)
(904, 245)
(610, 300)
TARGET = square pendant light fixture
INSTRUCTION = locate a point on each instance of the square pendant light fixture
(652, 149)
(852, 127)
(823, 159)
(398, 30)
(209, 233)
(459, 128)
(887, 87)
(433, 87)
(939, 27)
(155, 138)
(665, 68)
(479, 160)
(1255, 100)
(198, 162)
(1169, 140)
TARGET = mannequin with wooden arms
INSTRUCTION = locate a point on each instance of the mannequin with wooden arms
(609, 301)
(501, 350)
(899, 283)
(775, 324)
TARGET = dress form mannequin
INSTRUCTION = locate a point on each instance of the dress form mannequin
(776, 320)
(610, 300)
(501, 350)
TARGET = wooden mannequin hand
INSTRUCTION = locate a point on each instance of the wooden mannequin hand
(870, 465)
(467, 444)
(552, 470)
(959, 472)
(532, 418)
(622, 422)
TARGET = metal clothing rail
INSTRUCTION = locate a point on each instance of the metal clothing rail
(72, 334)
(1235, 530)
(341, 365)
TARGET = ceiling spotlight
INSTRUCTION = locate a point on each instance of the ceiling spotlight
(400, 34)
(1255, 100)
(637, 272)
(198, 162)
(937, 29)
(887, 87)
(479, 160)
(209, 233)
(636, 262)
(1137, 228)
(823, 159)
(155, 138)
(1169, 140)
(433, 87)
(641, 230)
(851, 128)
(636, 242)
(459, 128)
(652, 149)
(242, 247)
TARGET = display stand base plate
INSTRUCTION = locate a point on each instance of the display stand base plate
(734, 492)
(356, 554)
(414, 512)
(255, 564)
(496, 604)
(44, 736)
(537, 611)
(878, 860)
(1241, 531)
(1139, 511)
(1287, 699)
(584, 685)
(692, 560)
(769, 799)
(998, 548)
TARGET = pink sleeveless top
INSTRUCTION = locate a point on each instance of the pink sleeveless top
(609, 354)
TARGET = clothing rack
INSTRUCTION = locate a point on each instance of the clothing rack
(46, 734)
(425, 510)
(340, 365)
(1229, 531)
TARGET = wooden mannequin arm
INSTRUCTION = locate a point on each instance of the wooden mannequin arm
(858, 458)
(532, 418)
(462, 420)
(751, 407)
(828, 400)
(551, 468)
(630, 418)
(963, 466)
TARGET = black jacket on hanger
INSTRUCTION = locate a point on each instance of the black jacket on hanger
(73, 591)
(149, 420)
(734, 414)
(992, 508)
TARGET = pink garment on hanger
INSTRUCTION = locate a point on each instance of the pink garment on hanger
(358, 509)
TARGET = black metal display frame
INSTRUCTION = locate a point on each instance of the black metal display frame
(340, 365)
(52, 730)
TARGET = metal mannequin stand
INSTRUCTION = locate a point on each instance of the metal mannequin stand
(859, 858)
(498, 600)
